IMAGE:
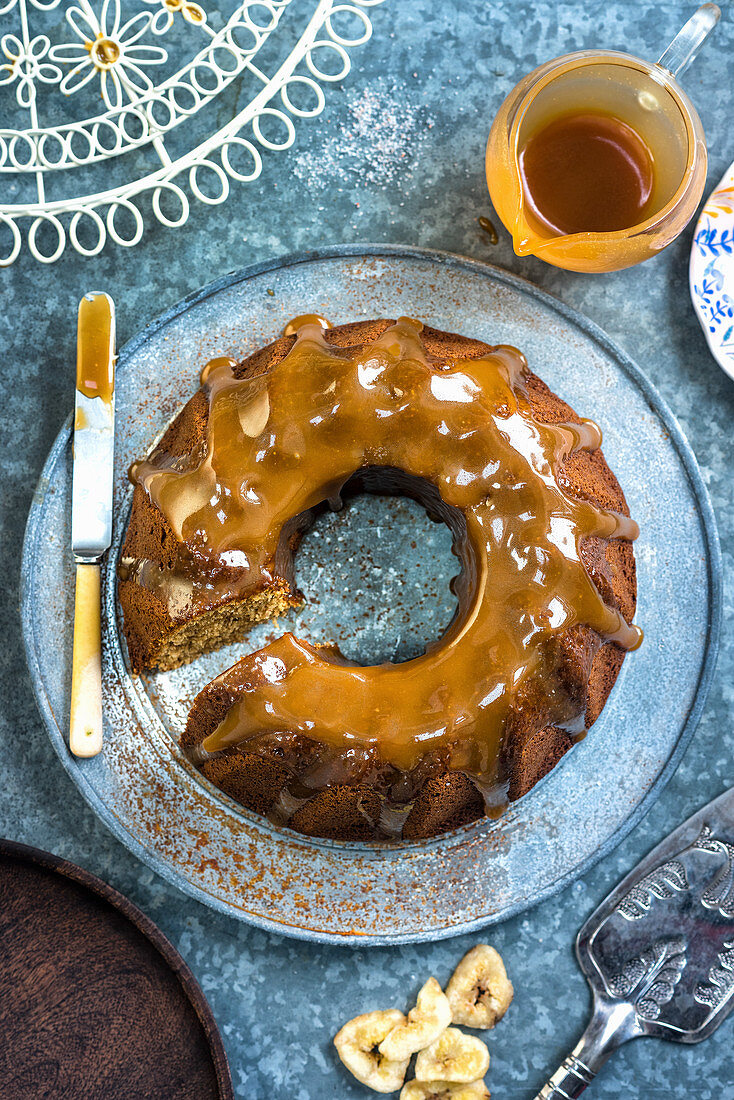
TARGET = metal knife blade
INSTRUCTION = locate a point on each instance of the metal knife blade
(94, 429)
(658, 953)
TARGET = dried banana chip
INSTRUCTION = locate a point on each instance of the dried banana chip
(479, 991)
(453, 1057)
(357, 1045)
(444, 1090)
(430, 1017)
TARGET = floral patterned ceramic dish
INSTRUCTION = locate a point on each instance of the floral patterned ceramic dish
(711, 272)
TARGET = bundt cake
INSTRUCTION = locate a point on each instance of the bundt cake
(546, 593)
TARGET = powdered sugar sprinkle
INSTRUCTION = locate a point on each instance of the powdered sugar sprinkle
(378, 142)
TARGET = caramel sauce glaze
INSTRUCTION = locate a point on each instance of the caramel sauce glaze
(281, 444)
(305, 319)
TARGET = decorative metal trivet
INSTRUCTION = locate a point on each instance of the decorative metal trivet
(115, 108)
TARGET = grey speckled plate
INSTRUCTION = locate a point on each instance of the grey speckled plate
(383, 553)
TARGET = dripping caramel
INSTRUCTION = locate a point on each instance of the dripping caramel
(296, 323)
(466, 428)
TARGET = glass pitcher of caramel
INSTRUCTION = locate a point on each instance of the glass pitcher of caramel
(597, 160)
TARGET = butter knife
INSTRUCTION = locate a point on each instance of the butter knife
(91, 510)
(658, 953)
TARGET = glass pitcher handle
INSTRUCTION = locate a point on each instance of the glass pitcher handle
(689, 39)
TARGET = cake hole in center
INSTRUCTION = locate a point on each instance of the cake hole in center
(376, 578)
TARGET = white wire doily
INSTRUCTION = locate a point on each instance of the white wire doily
(137, 144)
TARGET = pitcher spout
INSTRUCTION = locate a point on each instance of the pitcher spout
(523, 246)
(524, 240)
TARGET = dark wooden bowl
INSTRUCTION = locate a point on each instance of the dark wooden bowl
(95, 1003)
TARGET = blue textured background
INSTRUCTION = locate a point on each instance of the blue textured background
(396, 156)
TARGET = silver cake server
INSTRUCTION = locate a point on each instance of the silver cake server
(658, 953)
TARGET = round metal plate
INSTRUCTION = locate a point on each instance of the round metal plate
(154, 802)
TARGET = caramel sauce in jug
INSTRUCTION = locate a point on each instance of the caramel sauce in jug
(586, 172)
(281, 443)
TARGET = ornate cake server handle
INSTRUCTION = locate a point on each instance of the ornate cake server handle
(611, 1025)
(658, 953)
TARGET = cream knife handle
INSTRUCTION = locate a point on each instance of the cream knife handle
(85, 735)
